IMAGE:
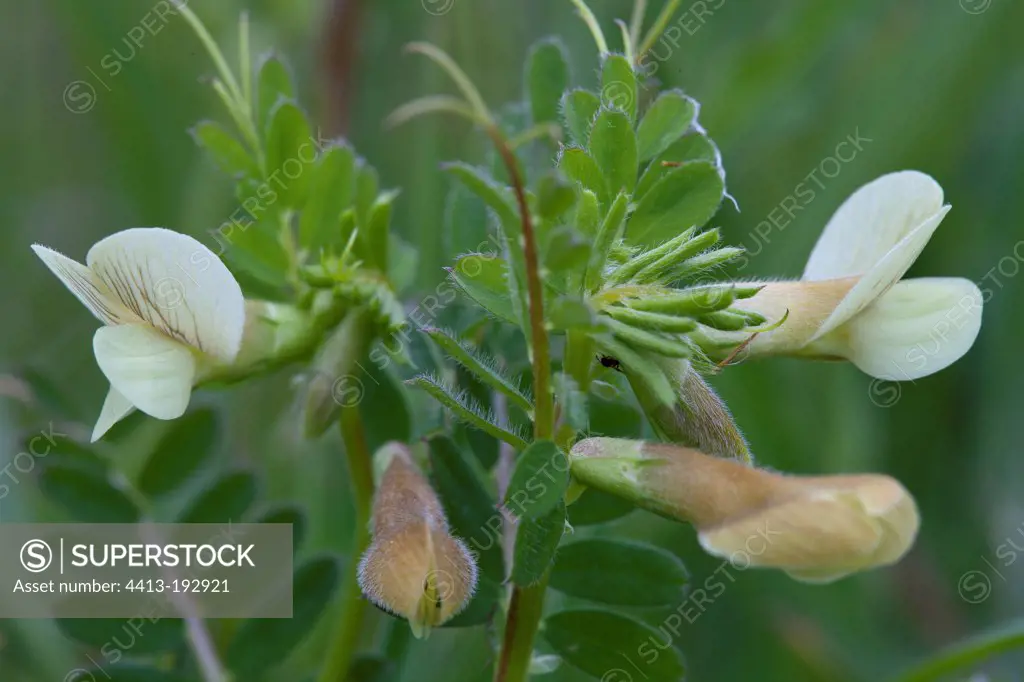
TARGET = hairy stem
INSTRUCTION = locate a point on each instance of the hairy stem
(527, 604)
(352, 606)
(544, 416)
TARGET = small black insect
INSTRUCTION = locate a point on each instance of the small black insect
(610, 362)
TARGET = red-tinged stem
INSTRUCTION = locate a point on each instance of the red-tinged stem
(527, 604)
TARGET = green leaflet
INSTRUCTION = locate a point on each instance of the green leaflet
(584, 639)
(260, 644)
(579, 107)
(275, 84)
(536, 543)
(224, 500)
(376, 232)
(665, 121)
(483, 367)
(183, 449)
(87, 495)
(462, 485)
(547, 77)
(588, 214)
(331, 191)
(367, 188)
(580, 167)
(555, 196)
(613, 146)
(492, 194)
(630, 573)
(692, 147)
(685, 197)
(618, 85)
(483, 278)
(609, 233)
(538, 482)
(228, 153)
(291, 152)
(465, 408)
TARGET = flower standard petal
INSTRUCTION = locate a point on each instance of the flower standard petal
(115, 408)
(917, 328)
(174, 283)
(873, 220)
(886, 272)
(86, 286)
(148, 369)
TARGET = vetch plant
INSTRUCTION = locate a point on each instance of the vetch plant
(528, 407)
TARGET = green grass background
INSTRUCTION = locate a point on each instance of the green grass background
(934, 86)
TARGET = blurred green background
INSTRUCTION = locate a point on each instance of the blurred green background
(934, 85)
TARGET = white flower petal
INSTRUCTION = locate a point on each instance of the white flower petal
(86, 286)
(150, 370)
(918, 327)
(883, 274)
(873, 220)
(115, 408)
(176, 284)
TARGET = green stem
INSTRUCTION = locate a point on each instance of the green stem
(527, 604)
(524, 612)
(353, 606)
(658, 28)
(636, 23)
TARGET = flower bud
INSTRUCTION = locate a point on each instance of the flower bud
(414, 567)
(816, 528)
(697, 419)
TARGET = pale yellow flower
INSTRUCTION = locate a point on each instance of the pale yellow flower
(171, 312)
(851, 303)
